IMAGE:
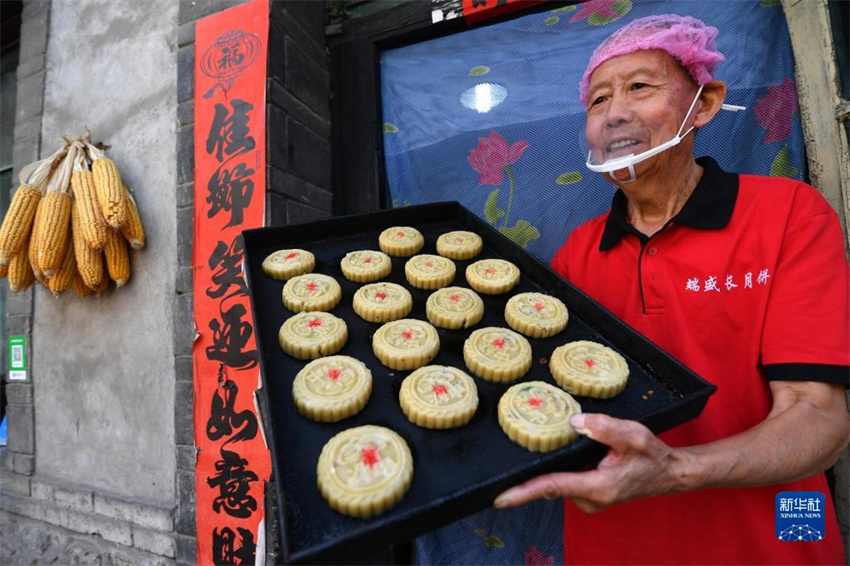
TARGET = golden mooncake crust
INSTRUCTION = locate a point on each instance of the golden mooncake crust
(365, 266)
(536, 415)
(364, 471)
(332, 388)
(429, 271)
(589, 369)
(454, 307)
(492, 276)
(311, 292)
(497, 354)
(311, 335)
(283, 264)
(382, 302)
(536, 315)
(459, 244)
(406, 344)
(438, 397)
(401, 241)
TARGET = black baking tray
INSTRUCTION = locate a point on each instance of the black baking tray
(456, 472)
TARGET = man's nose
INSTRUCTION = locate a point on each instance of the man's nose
(619, 112)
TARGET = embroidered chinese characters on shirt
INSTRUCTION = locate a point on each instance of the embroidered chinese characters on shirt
(728, 282)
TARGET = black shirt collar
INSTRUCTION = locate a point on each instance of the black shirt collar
(709, 207)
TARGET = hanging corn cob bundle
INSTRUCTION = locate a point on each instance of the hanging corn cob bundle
(71, 223)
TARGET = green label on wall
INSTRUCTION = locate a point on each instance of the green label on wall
(17, 358)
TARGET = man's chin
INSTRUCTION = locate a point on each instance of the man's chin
(621, 175)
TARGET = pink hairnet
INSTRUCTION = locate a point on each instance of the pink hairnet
(686, 39)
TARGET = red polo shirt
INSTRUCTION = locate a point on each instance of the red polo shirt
(747, 283)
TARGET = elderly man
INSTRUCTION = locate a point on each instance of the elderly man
(744, 279)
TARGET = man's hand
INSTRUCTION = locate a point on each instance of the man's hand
(640, 465)
(637, 465)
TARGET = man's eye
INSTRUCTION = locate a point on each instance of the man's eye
(637, 86)
(598, 100)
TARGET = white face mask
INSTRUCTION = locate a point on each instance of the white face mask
(629, 161)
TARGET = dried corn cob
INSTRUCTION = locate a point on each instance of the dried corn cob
(117, 257)
(18, 221)
(32, 252)
(20, 272)
(55, 220)
(109, 188)
(53, 232)
(54, 227)
(80, 288)
(102, 288)
(4, 271)
(92, 225)
(64, 278)
(89, 260)
(133, 229)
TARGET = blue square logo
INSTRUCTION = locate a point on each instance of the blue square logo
(800, 516)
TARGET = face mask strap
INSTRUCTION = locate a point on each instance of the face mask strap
(691, 109)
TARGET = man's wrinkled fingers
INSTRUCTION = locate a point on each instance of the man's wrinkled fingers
(550, 489)
(620, 434)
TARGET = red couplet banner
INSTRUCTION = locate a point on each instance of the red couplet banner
(230, 194)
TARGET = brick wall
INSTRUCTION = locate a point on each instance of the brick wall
(41, 519)
(298, 108)
(64, 510)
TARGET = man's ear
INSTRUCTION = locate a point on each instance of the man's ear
(711, 99)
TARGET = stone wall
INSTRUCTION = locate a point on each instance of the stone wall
(89, 472)
(102, 368)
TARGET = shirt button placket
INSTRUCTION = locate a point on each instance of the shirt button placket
(651, 295)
